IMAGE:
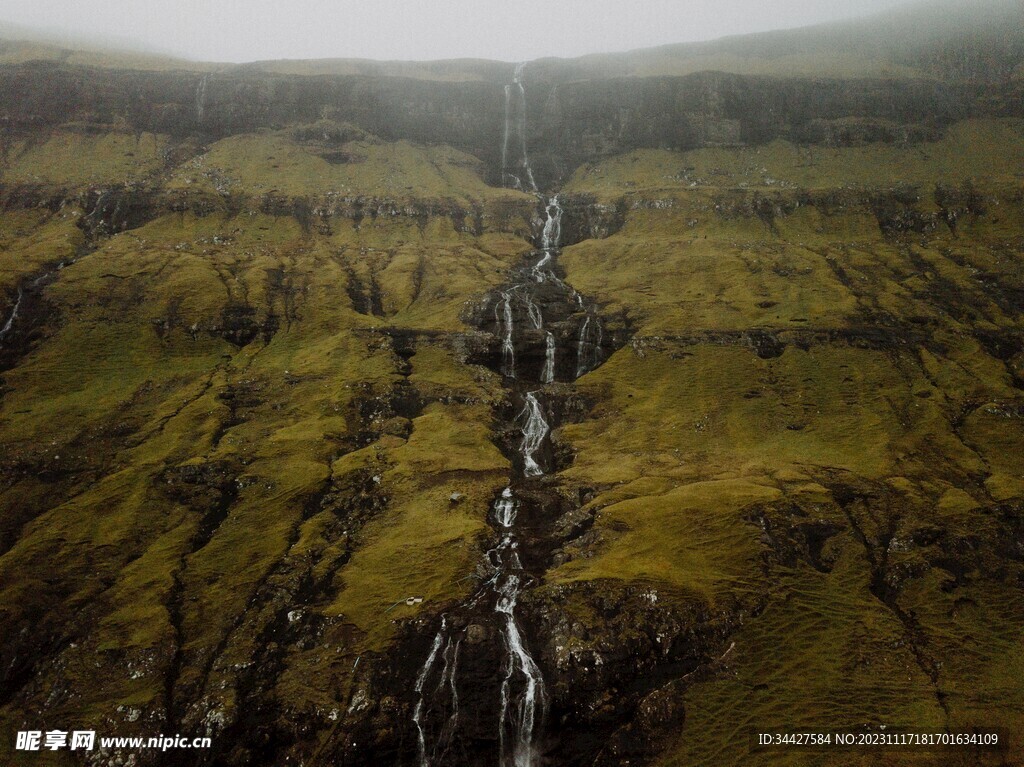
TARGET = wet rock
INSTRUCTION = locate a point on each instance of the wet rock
(608, 647)
(582, 117)
(766, 344)
(897, 213)
(587, 219)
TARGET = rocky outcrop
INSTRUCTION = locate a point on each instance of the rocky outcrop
(572, 121)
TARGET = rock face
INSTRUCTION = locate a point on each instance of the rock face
(274, 347)
(575, 121)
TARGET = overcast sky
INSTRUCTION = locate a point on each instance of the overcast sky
(509, 30)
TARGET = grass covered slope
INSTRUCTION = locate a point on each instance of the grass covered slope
(246, 452)
(223, 426)
(814, 419)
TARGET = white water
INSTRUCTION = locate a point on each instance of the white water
(548, 374)
(504, 139)
(446, 646)
(421, 680)
(503, 319)
(550, 238)
(533, 311)
(588, 349)
(505, 509)
(201, 98)
(519, 713)
(534, 429)
(552, 233)
(522, 694)
(451, 666)
(515, 122)
(14, 315)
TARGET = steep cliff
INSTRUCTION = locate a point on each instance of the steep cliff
(258, 415)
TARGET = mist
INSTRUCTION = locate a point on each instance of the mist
(234, 31)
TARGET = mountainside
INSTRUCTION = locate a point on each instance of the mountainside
(463, 413)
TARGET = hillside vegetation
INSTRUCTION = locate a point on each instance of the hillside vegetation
(252, 424)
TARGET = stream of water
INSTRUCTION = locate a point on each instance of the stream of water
(516, 172)
(522, 699)
(13, 316)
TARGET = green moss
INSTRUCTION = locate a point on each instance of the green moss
(276, 162)
(425, 545)
(331, 489)
(69, 159)
(691, 537)
(34, 239)
(824, 656)
(982, 149)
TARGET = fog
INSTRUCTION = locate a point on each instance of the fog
(248, 30)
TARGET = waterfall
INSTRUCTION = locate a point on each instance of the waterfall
(581, 359)
(445, 646)
(451, 665)
(522, 696)
(539, 271)
(534, 429)
(519, 713)
(548, 374)
(536, 318)
(201, 98)
(14, 315)
(504, 139)
(421, 680)
(550, 238)
(503, 320)
(518, 78)
(516, 105)
(588, 349)
(505, 509)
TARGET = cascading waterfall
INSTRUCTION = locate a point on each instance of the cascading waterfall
(534, 429)
(518, 79)
(13, 316)
(421, 681)
(451, 665)
(532, 310)
(503, 318)
(552, 233)
(521, 697)
(550, 238)
(505, 509)
(201, 98)
(515, 114)
(548, 374)
(505, 136)
(519, 714)
(588, 349)
(442, 695)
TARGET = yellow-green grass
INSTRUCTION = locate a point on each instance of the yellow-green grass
(71, 160)
(824, 656)
(721, 409)
(32, 240)
(277, 162)
(981, 149)
(686, 442)
(689, 538)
